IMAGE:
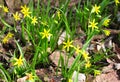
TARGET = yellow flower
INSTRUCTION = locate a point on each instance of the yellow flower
(7, 37)
(44, 23)
(45, 34)
(10, 35)
(93, 24)
(1, 6)
(68, 44)
(70, 80)
(97, 72)
(107, 32)
(5, 40)
(19, 62)
(58, 14)
(30, 77)
(106, 22)
(16, 16)
(77, 49)
(85, 55)
(34, 20)
(117, 2)
(95, 9)
(88, 64)
(25, 11)
(5, 9)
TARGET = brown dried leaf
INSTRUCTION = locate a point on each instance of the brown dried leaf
(10, 4)
(26, 1)
(13, 4)
(117, 49)
(49, 76)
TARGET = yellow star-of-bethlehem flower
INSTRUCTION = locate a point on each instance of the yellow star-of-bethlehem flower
(117, 2)
(19, 62)
(30, 77)
(58, 14)
(44, 23)
(96, 9)
(106, 22)
(25, 11)
(88, 64)
(97, 72)
(93, 24)
(5, 9)
(1, 6)
(107, 32)
(16, 16)
(7, 37)
(46, 34)
(85, 55)
(68, 44)
(77, 49)
(34, 20)
(10, 35)
(70, 80)
(5, 40)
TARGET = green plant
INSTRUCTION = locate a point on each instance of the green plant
(41, 27)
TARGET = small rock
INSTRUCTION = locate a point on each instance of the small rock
(81, 77)
(117, 66)
(46, 79)
(23, 79)
(62, 38)
(55, 57)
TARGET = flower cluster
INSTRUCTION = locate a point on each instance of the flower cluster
(94, 25)
(85, 55)
(25, 11)
(87, 59)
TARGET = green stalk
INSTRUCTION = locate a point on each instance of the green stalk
(5, 74)
(35, 57)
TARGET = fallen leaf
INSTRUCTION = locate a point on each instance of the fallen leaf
(25, 1)
(10, 4)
